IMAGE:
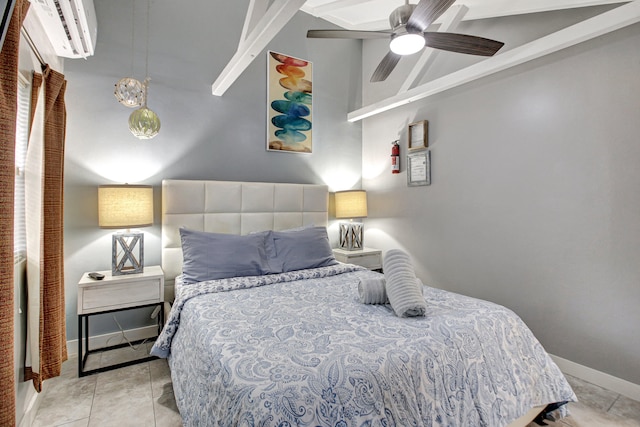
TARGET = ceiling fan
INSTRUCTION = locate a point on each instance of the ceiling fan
(408, 35)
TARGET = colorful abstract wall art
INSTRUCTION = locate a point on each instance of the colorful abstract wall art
(289, 96)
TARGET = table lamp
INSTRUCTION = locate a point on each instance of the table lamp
(351, 204)
(126, 207)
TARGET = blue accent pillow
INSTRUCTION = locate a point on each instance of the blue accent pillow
(208, 256)
(301, 249)
(270, 248)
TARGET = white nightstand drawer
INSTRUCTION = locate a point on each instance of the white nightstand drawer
(371, 261)
(118, 292)
(120, 295)
(368, 258)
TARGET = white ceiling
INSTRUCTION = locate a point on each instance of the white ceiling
(374, 14)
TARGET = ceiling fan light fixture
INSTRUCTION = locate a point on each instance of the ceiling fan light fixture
(406, 43)
(409, 24)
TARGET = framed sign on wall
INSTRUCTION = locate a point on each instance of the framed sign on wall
(419, 168)
(418, 135)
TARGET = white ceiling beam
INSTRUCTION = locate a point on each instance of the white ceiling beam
(607, 22)
(257, 9)
(379, 25)
(270, 24)
(519, 7)
(450, 21)
(332, 6)
(330, 12)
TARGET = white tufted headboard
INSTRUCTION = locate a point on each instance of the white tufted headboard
(233, 208)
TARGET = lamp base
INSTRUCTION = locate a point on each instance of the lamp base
(124, 259)
(351, 236)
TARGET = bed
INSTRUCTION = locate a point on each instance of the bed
(294, 346)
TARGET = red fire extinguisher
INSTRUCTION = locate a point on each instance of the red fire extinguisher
(395, 157)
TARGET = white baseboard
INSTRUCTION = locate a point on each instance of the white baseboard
(33, 403)
(615, 384)
(100, 341)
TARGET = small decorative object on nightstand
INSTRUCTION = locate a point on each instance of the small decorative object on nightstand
(366, 257)
(351, 204)
(124, 207)
(116, 293)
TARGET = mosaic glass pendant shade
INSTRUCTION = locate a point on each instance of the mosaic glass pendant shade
(129, 92)
(144, 123)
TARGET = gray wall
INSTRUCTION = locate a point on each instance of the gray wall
(534, 201)
(202, 136)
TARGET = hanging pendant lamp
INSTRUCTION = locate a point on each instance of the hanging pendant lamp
(129, 91)
(144, 123)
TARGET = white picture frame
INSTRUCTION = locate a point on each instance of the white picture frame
(419, 168)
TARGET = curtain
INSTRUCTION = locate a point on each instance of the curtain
(44, 182)
(8, 108)
(33, 219)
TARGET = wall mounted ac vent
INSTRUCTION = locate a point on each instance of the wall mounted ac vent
(71, 25)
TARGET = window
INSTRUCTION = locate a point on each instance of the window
(22, 139)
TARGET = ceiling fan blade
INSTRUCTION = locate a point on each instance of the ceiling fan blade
(385, 67)
(462, 43)
(425, 13)
(347, 34)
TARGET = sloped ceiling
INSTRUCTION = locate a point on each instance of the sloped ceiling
(266, 18)
(373, 14)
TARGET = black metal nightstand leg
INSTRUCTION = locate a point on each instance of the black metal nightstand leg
(161, 319)
(86, 336)
(80, 367)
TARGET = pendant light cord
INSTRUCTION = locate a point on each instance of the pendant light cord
(133, 29)
(145, 84)
(146, 60)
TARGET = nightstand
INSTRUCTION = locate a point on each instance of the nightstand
(116, 293)
(367, 257)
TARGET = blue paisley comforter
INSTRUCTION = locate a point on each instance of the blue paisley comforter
(299, 349)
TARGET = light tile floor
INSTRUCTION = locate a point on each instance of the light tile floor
(142, 395)
(599, 407)
(137, 395)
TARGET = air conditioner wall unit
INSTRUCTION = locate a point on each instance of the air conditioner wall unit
(71, 25)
